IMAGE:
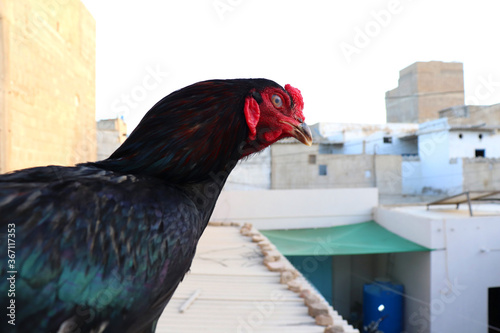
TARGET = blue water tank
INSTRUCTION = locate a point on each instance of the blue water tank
(383, 299)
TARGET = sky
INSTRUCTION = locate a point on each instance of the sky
(343, 55)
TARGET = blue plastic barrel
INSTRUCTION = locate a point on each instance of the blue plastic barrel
(383, 299)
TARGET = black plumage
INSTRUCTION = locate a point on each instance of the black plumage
(101, 247)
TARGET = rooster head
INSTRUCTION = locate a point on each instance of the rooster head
(274, 113)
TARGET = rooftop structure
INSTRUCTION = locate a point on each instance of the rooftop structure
(472, 115)
(230, 289)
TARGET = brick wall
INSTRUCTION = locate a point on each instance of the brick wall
(47, 83)
(423, 89)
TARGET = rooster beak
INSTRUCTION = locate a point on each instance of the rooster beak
(301, 132)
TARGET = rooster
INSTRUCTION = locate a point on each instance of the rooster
(102, 246)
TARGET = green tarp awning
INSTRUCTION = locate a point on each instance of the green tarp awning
(360, 238)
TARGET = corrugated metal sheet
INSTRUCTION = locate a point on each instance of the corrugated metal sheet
(231, 290)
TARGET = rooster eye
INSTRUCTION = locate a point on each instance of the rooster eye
(277, 102)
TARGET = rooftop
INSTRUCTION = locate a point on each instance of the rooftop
(450, 211)
(239, 282)
(342, 132)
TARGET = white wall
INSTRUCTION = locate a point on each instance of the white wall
(467, 145)
(436, 173)
(412, 269)
(440, 168)
(295, 209)
(454, 298)
(465, 307)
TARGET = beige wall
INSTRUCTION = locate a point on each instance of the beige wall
(47, 83)
(423, 89)
(481, 174)
(388, 174)
(292, 168)
(473, 115)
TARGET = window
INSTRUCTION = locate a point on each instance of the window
(322, 170)
(480, 153)
(387, 139)
(312, 159)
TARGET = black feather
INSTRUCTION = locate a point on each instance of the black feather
(105, 244)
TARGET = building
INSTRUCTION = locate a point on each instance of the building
(455, 287)
(452, 159)
(47, 84)
(111, 133)
(345, 156)
(439, 157)
(423, 89)
(371, 139)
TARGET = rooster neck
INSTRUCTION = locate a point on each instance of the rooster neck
(191, 152)
(204, 195)
(180, 166)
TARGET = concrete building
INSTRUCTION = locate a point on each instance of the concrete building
(295, 167)
(452, 159)
(111, 133)
(434, 158)
(47, 84)
(455, 287)
(345, 156)
(423, 89)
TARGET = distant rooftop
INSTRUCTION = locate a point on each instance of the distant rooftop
(449, 211)
(230, 289)
(342, 132)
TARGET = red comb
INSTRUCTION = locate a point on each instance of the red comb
(297, 99)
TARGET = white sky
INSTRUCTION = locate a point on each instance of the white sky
(288, 41)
